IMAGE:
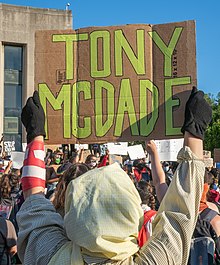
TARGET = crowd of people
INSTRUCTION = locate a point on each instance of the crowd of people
(66, 209)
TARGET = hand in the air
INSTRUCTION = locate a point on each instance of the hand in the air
(33, 117)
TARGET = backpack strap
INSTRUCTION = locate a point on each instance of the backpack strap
(142, 235)
(1, 254)
(3, 251)
(208, 214)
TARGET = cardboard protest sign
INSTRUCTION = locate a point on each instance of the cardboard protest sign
(208, 162)
(114, 159)
(53, 147)
(168, 149)
(136, 152)
(206, 154)
(119, 148)
(115, 84)
(217, 155)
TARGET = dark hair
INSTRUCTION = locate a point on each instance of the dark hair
(136, 162)
(72, 159)
(145, 191)
(14, 180)
(216, 173)
(88, 158)
(5, 187)
(71, 173)
(208, 177)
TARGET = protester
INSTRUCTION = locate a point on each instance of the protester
(145, 190)
(2, 170)
(139, 168)
(203, 228)
(11, 197)
(71, 173)
(103, 212)
(148, 205)
(168, 172)
(91, 161)
(8, 240)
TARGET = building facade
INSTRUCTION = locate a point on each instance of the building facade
(17, 42)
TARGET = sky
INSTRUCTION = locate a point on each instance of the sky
(120, 12)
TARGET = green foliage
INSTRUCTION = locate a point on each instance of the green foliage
(212, 137)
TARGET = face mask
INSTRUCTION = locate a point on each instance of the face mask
(93, 164)
(166, 169)
(57, 161)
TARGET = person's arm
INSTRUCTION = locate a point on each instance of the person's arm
(157, 172)
(177, 215)
(176, 218)
(8, 168)
(41, 233)
(33, 182)
(79, 158)
(12, 251)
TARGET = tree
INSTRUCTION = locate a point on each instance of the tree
(212, 136)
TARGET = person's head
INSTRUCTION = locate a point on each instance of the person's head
(103, 211)
(208, 180)
(71, 173)
(73, 158)
(62, 168)
(216, 173)
(213, 196)
(91, 161)
(145, 191)
(14, 180)
(57, 158)
(208, 177)
(5, 187)
(166, 166)
(136, 162)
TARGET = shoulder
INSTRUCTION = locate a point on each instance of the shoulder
(212, 206)
(10, 227)
(216, 224)
(11, 234)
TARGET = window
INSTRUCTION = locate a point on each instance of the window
(13, 56)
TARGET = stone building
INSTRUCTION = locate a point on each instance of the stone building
(17, 31)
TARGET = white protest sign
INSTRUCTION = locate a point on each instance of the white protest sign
(119, 148)
(6, 163)
(136, 152)
(168, 149)
(17, 159)
(9, 146)
(81, 146)
(24, 145)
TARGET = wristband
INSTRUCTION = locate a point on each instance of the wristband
(33, 172)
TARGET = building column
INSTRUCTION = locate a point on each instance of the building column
(1, 88)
